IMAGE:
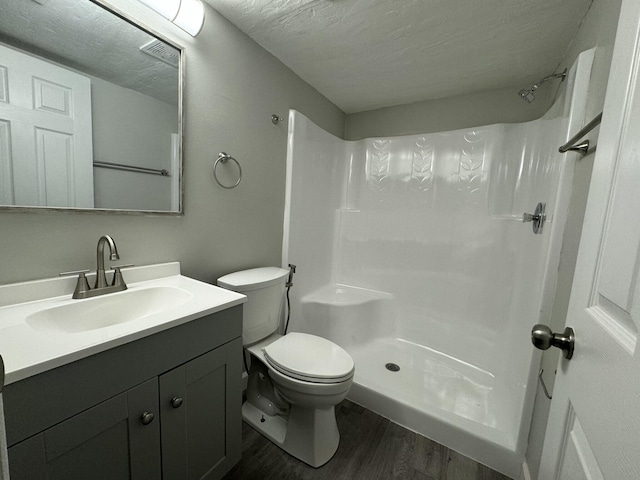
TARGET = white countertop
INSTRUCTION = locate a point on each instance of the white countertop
(28, 351)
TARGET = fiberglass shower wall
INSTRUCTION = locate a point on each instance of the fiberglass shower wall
(416, 226)
(313, 196)
(428, 224)
(417, 243)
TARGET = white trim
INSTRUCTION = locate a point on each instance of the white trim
(526, 474)
(286, 231)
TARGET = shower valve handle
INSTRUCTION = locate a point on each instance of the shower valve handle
(543, 338)
(537, 218)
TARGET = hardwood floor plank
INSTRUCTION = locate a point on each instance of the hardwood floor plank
(361, 432)
(371, 447)
(432, 460)
(460, 467)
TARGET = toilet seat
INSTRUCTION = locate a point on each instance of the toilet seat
(309, 358)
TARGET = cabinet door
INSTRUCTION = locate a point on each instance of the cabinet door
(106, 442)
(200, 404)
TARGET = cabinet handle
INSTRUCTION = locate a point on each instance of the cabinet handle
(176, 402)
(146, 418)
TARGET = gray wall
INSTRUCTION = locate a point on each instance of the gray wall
(133, 129)
(452, 113)
(597, 30)
(232, 88)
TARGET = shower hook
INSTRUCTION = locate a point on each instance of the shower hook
(222, 158)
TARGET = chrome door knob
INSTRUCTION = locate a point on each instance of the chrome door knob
(543, 338)
(176, 402)
(146, 418)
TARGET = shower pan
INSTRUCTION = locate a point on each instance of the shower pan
(412, 255)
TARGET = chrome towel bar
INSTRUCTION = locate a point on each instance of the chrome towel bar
(131, 168)
(582, 147)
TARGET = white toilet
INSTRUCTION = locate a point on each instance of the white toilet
(295, 380)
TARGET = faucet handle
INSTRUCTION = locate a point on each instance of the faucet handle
(75, 272)
(118, 281)
(82, 287)
(118, 267)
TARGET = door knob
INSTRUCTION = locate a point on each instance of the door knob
(542, 337)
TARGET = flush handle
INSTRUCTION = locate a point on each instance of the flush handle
(543, 338)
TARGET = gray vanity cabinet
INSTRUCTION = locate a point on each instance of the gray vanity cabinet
(193, 399)
(107, 441)
(163, 407)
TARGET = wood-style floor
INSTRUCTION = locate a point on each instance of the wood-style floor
(371, 447)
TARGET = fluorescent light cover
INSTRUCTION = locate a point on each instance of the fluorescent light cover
(190, 16)
(166, 8)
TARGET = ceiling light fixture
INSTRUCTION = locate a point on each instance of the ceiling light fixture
(186, 14)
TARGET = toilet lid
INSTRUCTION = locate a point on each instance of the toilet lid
(309, 358)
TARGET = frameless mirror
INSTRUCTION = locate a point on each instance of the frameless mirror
(90, 110)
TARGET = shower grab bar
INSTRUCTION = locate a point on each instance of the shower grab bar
(582, 147)
(131, 168)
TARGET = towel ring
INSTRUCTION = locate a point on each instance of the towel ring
(222, 158)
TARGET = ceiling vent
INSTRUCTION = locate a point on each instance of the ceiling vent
(162, 52)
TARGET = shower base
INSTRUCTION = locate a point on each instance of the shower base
(451, 402)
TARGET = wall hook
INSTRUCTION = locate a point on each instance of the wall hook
(275, 119)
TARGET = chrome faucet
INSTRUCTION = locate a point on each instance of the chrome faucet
(83, 290)
(101, 278)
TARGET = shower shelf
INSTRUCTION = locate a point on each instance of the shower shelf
(345, 295)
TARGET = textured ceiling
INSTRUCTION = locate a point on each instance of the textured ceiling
(81, 35)
(367, 54)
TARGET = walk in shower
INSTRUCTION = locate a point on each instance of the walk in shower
(412, 255)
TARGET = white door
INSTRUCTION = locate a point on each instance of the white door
(46, 148)
(594, 423)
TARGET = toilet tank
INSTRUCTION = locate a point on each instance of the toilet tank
(264, 288)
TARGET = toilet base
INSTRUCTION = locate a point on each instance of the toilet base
(309, 434)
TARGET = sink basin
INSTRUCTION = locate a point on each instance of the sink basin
(42, 327)
(107, 310)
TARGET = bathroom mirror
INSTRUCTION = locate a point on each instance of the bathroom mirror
(90, 110)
